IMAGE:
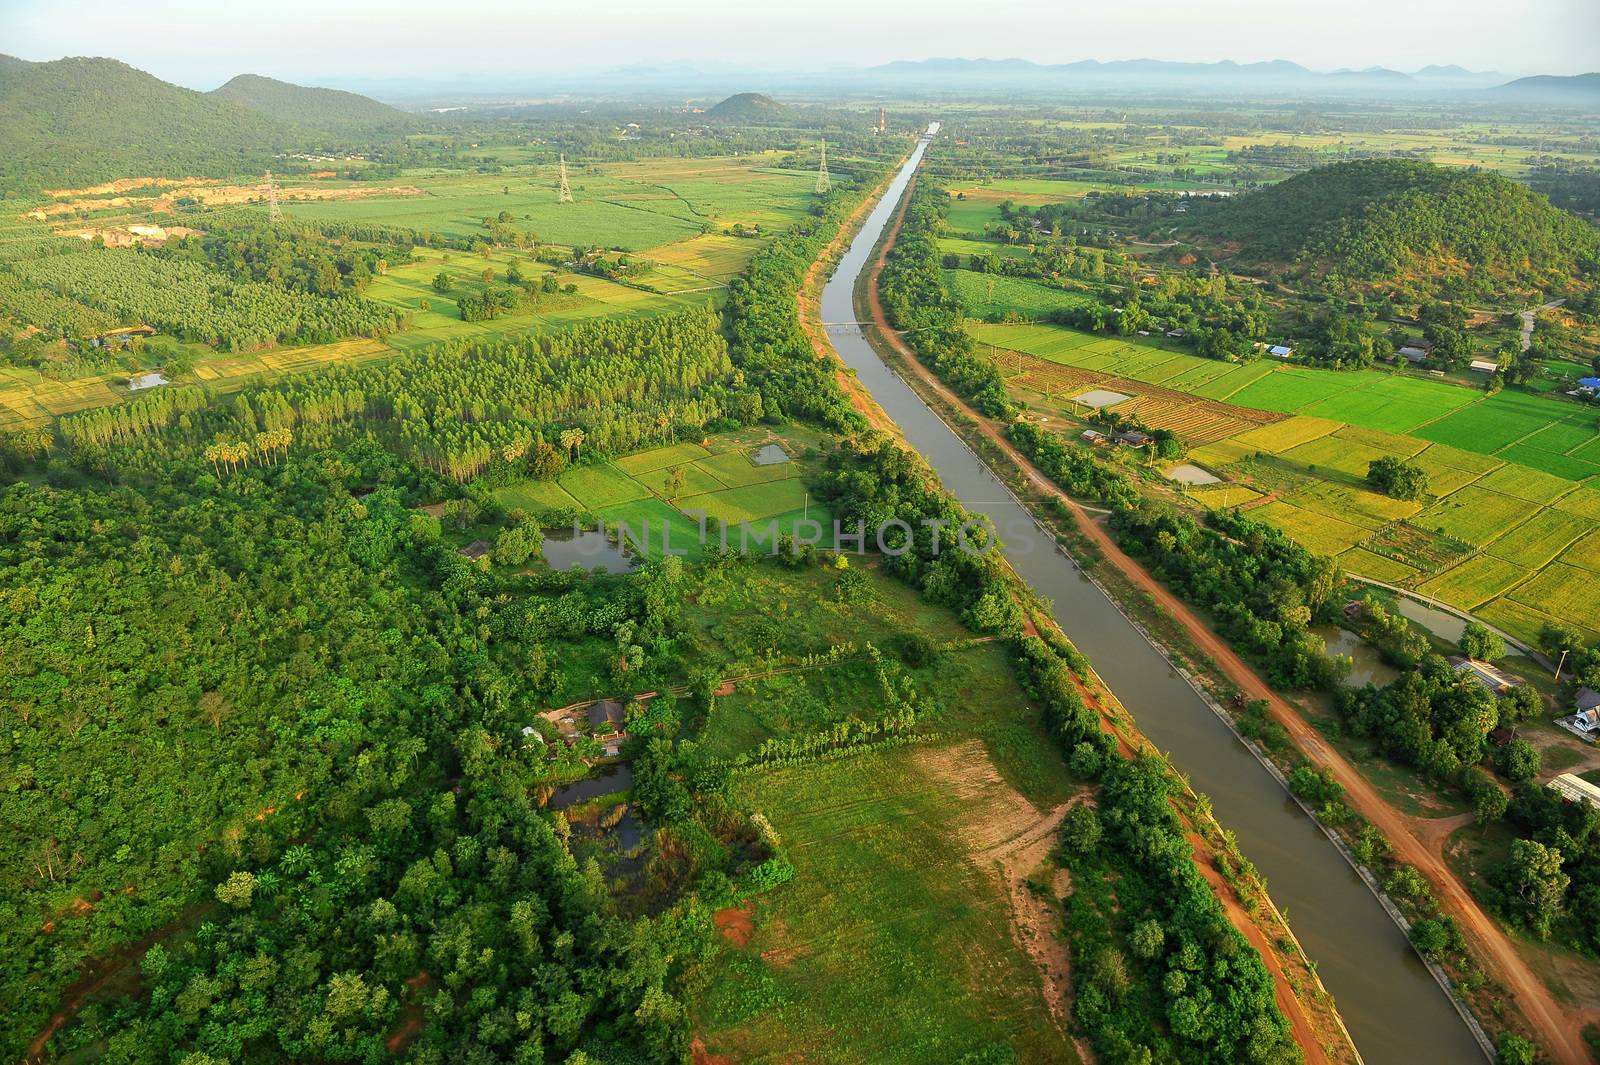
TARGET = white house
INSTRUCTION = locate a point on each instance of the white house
(1484, 366)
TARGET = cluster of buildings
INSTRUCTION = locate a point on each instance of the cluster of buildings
(603, 720)
(1130, 437)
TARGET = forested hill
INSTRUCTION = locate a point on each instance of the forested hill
(748, 107)
(1381, 220)
(77, 122)
(305, 106)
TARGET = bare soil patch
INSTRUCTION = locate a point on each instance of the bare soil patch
(735, 925)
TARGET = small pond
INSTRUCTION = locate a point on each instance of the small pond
(1369, 667)
(612, 778)
(771, 455)
(1189, 473)
(1441, 623)
(563, 550)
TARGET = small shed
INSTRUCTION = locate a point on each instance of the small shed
(1133, 438)
(1484, 366)
(476, 550)
(1281, 351)
(1589, 384)
(1094, 436)
(1586, 699)
(1412, 353)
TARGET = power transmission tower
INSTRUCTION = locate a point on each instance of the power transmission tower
(564, 193)
(274, 215)
(823, 184)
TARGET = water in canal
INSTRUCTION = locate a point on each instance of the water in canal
(1393, 1007)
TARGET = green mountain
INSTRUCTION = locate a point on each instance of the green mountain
(76, 122)
(1382, 221)
(304, 106)
(748, 107)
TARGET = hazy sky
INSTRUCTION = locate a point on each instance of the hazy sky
(203, 44)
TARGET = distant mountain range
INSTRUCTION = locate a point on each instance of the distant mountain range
(1164, 74)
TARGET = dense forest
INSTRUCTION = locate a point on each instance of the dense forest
(1377, 221)
(298, 105)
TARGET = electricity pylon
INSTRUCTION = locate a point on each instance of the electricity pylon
(564, 192)
(274, 215)
(823, 184)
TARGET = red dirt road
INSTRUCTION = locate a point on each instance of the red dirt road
(1559, 1031)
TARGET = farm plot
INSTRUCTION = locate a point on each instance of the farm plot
(601, 486)
(734, 468)
(1446, 474)
(1475, 515)
(1315, 531)
(1541, 538)
(536, 496)
(659, 458)
(1282, 436)
(1526, 484)
(1493, 423)
(1351, 504)
(1366, 563)
(1289, 390)
(730, 506)
(1475, 581)
(1563, 590)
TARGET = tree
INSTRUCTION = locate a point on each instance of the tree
(1536, 883)
(237, 890)
(1080, 829)
(1430, 936)
(1147, 939)
(1491, 804)
(1478, 642)
(1515, 1050)
(443, 282)
(1518, 761)
(572, 440)
(1397, 477)
(674, 485)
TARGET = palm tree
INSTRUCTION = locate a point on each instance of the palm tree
(572, 440)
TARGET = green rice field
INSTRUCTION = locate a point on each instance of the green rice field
(1509, 530)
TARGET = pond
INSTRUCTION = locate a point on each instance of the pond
(1441, 623)
(590, 548)
(1190, 474)
(606, 781)
(771, 455)
(1369, 667)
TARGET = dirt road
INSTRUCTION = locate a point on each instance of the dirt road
(1560, 1032)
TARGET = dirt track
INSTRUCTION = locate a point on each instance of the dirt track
(1560, 1032)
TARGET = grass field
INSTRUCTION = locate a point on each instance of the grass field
(890, 944)
(993, 294)
(720, 483)
(632, 206)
